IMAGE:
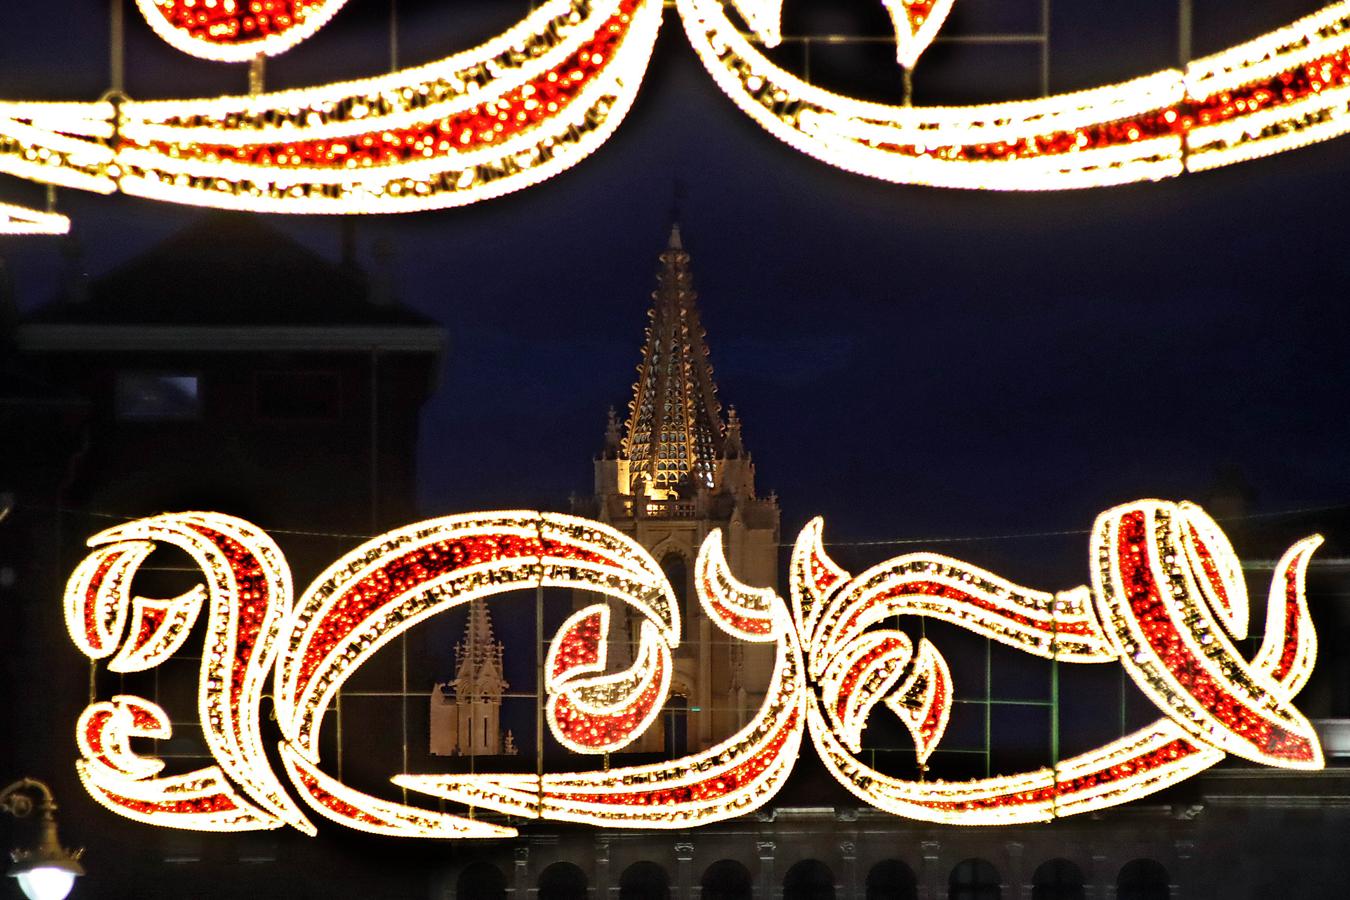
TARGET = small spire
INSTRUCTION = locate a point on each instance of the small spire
(613, 436)
(676, 241)
(732, 446)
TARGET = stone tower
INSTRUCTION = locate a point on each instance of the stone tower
(466, 712)
(673, 472)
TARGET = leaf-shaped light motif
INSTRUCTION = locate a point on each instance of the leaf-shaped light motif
(917, 22)
(765, 18)
(924, 701)
(236, 30)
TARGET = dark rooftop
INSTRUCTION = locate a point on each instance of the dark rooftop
(230, 269)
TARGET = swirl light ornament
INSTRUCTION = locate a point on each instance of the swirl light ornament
(1282, 90)
(500, 117)
(1166, 602)
(247, 593)
(548, 92)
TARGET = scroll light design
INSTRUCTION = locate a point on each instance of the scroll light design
(1282, 90)
(247, 593)
(1166, 587)
(497, 118)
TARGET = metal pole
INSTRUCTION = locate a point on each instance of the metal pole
(1184, 20)
(257, 72)
(116, 47)
(539, 678)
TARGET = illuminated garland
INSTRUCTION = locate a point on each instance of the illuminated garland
(1167, 593)
(495, 119)
(729, 779)
(1176, 651)
(548, 92)
(1160, 568)
(916, 22)
(19, 220)
(388, 585)
(606, 713)
(248, 594)
(1285, 89)
(236, 30)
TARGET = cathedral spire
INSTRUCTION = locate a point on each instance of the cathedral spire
(675, 429)
(478, 658)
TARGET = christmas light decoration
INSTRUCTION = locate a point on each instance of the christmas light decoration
(1173, 646)
(248, 594)
(158, 629)
(1167, 592)
(19, 220)
(202, 800)
(604, 714)
(916, 22)
(236, 30)
(729, 779)
(388, 585)
(548, 92)
(1280, 91)
(1161, 567)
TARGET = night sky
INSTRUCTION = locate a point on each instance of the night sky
(908, 362)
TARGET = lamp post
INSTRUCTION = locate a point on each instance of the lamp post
(47, 871)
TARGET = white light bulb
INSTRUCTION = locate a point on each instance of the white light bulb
(46, 883)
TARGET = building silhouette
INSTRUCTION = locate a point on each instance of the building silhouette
(229, 368)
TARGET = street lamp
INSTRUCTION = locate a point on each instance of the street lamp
(47, 871)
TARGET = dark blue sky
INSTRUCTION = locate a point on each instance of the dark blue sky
(908, 362)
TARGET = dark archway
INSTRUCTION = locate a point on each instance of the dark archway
(563, 881)
(1142, 879)
(676, 570)
(481, 881)
(1057, 879)
(891, 879)
(974, 879)
(809, 879)
(727, 880)
(644, 881)
(675, 722)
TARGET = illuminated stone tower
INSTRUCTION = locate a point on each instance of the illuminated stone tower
(466, 712)
(674, 472)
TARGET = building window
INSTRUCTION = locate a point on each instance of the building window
(974, 879)
(157, 396)
(1057, 879)
(298, 396)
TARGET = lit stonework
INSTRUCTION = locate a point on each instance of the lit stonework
(466, 712)
(669, 475)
